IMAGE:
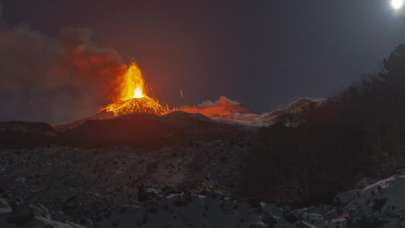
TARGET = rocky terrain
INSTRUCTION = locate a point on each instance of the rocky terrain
(86, 182)
(181, 170)
(84, 173)
(380, 204)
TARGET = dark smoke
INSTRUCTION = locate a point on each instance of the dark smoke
(54, 79)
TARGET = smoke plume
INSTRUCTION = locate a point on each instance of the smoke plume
(54, 79)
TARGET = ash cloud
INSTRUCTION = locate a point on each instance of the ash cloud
(54, 79)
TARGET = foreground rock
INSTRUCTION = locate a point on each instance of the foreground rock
(30, 217)
(87, 184)
(379, 205)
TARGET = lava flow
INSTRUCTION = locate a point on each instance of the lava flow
(133, 97)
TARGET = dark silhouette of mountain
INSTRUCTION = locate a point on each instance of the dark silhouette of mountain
(141, 129)
(136, 129)
(22, 134)
(358, 133)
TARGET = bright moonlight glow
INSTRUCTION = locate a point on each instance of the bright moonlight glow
(397, 4)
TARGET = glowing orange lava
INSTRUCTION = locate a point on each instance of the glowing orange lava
(133, 85)
(133, 97)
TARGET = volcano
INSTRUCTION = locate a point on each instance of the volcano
(135, 105)
(132, 97)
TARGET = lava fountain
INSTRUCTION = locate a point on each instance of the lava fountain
(132, 84)
(133, 97)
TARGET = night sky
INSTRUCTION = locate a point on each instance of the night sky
(261, 53)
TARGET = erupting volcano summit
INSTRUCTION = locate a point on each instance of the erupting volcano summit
(133, 97)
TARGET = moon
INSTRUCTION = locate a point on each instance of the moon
(397, 4)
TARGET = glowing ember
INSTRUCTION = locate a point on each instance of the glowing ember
(133, 98)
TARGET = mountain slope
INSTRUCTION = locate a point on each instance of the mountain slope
(232, 112)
